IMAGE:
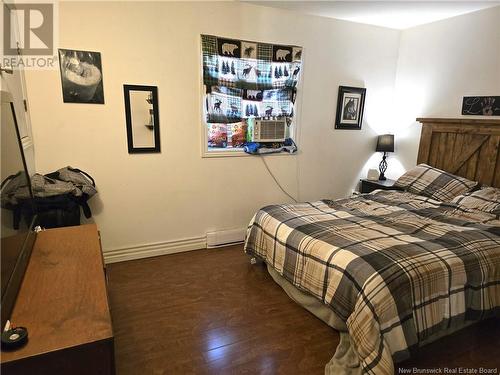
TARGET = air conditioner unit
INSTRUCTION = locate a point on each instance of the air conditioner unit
(269, 131)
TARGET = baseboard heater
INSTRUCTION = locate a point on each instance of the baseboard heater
(225, 237)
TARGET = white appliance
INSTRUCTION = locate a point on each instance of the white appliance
(269, 131)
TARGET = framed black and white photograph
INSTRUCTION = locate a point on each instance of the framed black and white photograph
(81, 76)
(481, 105)
(350, 106)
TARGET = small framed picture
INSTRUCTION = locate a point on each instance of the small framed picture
(481, 105)
(350, 106)
(81, 76)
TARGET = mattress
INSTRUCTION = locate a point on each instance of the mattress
(396, 268)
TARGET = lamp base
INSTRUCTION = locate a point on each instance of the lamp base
(382, 167)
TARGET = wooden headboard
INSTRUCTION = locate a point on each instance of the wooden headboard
(465, 147)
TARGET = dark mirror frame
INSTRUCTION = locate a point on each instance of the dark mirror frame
(128, 117)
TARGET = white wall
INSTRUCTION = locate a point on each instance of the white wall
(177, 194)
(438, 64)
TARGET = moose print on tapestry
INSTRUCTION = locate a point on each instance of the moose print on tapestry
(297, 54)
(249, 50)
(246, 71)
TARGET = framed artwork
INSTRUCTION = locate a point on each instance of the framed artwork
(81, 76)
(481, 105)
(350, 106)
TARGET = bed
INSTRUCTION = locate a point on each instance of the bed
(393, 270)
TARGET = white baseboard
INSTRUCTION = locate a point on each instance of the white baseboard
(154, 249)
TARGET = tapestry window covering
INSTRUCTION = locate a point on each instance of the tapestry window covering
(245, 81)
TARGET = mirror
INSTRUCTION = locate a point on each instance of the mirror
(143, 123)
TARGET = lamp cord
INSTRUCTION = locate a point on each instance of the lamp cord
(276, 180)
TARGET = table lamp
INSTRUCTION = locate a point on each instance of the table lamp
(385, 144)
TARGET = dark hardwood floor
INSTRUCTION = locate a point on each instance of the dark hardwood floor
(211, 312)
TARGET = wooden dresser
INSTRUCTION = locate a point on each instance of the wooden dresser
(64, 304)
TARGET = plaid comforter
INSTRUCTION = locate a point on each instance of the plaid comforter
(395, 266)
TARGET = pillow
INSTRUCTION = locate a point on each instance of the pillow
(434, 183)
(486, 200)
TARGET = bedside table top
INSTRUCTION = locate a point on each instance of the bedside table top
(387, 183)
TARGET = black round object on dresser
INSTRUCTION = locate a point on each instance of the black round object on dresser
(14, 338)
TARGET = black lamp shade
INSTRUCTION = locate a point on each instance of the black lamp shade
(385, 143)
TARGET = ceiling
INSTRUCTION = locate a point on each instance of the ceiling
(393, 14)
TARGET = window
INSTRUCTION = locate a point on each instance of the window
(244, 81)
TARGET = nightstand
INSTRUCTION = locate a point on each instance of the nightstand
(367, 186)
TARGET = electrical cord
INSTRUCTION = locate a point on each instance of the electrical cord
(276, 180)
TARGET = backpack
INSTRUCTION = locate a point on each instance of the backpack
(58, 197)
(82, 181)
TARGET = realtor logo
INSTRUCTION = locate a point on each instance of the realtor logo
(29, 34)
(28, 28)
